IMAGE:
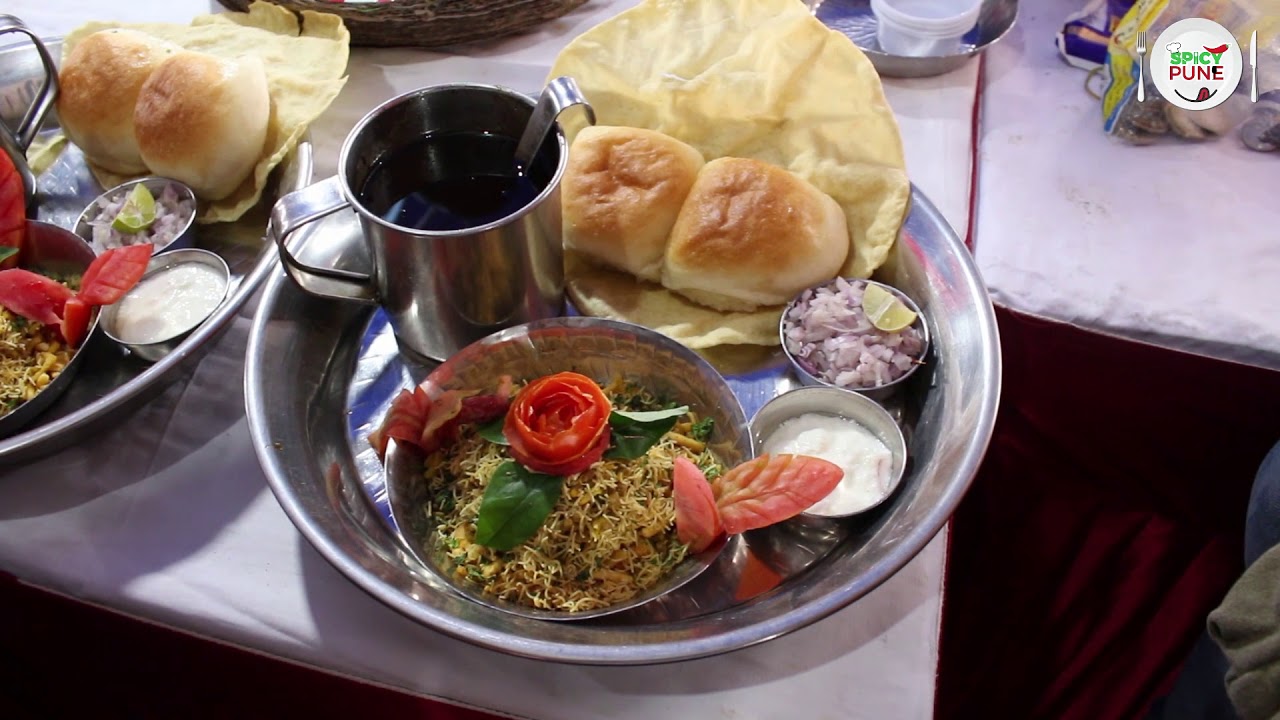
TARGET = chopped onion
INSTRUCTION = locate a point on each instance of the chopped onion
(172, 216)
(829, 335)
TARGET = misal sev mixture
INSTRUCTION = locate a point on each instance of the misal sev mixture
(31, 356)
(609, 537)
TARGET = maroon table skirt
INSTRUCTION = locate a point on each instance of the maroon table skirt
(1105, 523)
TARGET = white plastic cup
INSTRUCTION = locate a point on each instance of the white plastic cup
(920, 28)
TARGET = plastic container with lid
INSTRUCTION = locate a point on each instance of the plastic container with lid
(924, 27)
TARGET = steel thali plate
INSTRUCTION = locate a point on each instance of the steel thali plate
(343, 368)
(109, 382)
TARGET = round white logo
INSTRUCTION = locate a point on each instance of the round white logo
(1196, 64)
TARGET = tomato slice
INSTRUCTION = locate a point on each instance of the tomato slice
(697, 519)
(33, 296)
(114, 273)
(770, 489)
(13, 209)
(440, 425)
(75, 321)
(404, 421)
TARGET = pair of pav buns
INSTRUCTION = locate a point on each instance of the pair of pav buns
(733, 234)
(134, 104)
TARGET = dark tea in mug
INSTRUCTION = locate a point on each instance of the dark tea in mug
(451, 181)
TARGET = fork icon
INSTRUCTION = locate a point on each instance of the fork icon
(1142, 51)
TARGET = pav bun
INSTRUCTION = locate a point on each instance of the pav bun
(621, 193)
(202, 120)
(751, 234)
(98, 86)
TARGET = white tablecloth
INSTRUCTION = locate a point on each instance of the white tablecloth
(168, 517)
(1173, 244)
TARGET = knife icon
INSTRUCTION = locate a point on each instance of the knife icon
(1253, 66)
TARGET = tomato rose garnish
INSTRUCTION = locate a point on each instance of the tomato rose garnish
(558, 424)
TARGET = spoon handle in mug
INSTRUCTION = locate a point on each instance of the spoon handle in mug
(559, 94)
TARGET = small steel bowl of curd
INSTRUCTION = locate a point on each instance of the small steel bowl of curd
(848, 429)
(179, 291)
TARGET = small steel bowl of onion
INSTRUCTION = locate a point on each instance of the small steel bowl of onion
(848, 429)
(855, 335)
(150, 209)
(178, 292)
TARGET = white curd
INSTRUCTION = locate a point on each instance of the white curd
(169, 303)
(867, 462)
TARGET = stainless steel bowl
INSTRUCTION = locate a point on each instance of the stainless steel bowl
(838, 403)
(603, 350)
(879, 392)
(184, 239)
(154, 351)
(51, 249)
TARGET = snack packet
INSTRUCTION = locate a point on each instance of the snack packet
(1157, 120)
(1085, 36)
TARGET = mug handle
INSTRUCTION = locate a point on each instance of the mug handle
(300, 208)
(16, 143)
(47, 93)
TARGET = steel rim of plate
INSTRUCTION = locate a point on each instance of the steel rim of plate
(637, 648)
(31, 439)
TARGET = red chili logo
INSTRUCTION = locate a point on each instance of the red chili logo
(1216, 50)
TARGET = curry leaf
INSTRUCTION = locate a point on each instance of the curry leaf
(635, 432)
(492, 431)
(515, 505)
(7, 252)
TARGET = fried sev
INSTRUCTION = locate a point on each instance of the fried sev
(31, 356)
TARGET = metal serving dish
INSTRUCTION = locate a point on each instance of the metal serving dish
(109, 382)
(601, 349)
(832, 401)
(156, 186)
(310, 437)
(155, 350)
(51, 249)
(855, 19)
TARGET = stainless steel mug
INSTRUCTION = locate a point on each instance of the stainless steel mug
(15, 141)
(441, 289)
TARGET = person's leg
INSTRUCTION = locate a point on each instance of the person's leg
(1262, 524)
(1200, 692)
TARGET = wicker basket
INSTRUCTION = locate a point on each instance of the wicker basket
(430, 23)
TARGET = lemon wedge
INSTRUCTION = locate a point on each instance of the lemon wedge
(138, 213)
(885, 311)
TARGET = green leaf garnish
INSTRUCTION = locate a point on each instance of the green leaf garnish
(492, 431)
(515, 505)
(7, 252)
(635, 432)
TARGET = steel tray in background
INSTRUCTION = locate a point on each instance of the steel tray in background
(343, 368)
(109, 382)
(854, 19)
